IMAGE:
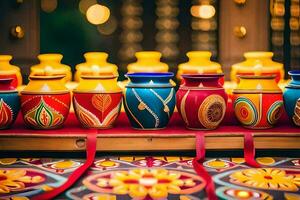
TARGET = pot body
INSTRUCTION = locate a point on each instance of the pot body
(291, 98)
(45, 102)
(50, 64)
(149, 100)
(9, 103)
(199, 63)
(96, 63)
(97, 101)
(258, 102)
(201, 101)
(257, 63)
(10, 71)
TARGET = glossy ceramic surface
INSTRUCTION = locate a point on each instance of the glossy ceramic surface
(199, 63)
(50, 65)
(10, 71)
(258, 102)
(149, 100)
(9, 103)
(201, 101)
(291, 97)
(97, 101)
(96, 64)
(257, 63)
(148, 61)
(45, 102)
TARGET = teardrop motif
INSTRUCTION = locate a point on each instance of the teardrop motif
(296, 117)
(6, 114)
(101, 101)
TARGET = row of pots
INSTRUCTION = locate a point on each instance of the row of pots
(256, 63)
(149, 101)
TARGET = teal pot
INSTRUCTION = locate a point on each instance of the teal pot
(291, 97)
(149, 100)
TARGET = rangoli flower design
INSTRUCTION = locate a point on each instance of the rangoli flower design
(267, 178)
(17, 179)
(155, 183)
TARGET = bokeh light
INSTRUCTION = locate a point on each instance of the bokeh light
(97, 14)
(85, 4)
(203, 11)
(108, 27)
(48, 5)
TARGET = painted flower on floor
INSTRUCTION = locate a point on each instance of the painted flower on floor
(267, 178)
(155, 183)
(18, 179)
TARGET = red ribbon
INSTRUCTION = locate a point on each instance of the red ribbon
(90, 153)
(200, 170)
(249, 150)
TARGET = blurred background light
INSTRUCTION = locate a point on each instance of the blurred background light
(48, 6)
(97, 14)
(108, 27)
(85, 4)
(203, 11)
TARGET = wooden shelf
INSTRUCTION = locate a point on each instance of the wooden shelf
(124, 138)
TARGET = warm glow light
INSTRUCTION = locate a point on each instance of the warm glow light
(97, 14)
(203, 11)
(108, 27)
(85, 4)
(48, 5)
(243, 194)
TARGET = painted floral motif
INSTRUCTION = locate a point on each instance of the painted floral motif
(234, 193)
(140, 183)
(6, 114)
(105, 164)
(62, 166)
(101, 101)
(267, 178)
(90, 120)
(18, 179)
(43, 116)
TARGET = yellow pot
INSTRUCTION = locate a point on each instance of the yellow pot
(148, 61)
(258, 63)
(199, 63)
(96, 63)
(8, 70)
(50, 64)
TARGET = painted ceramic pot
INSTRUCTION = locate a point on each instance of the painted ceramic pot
(257, 63)
(96, 63)
(257, 101)
(9, 103)
(10, 71)
(148, 61)
(149, 100)
(201, 101)
(50, 65)
(199, 63)
(45, 102)
(291, 97)
(97, 101)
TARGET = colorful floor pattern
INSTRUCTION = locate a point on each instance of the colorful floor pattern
(151, 178)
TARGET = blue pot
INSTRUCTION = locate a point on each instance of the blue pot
(291, 97)
(9, 103)
(149, 100)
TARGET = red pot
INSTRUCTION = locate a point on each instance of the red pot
(201, 101)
